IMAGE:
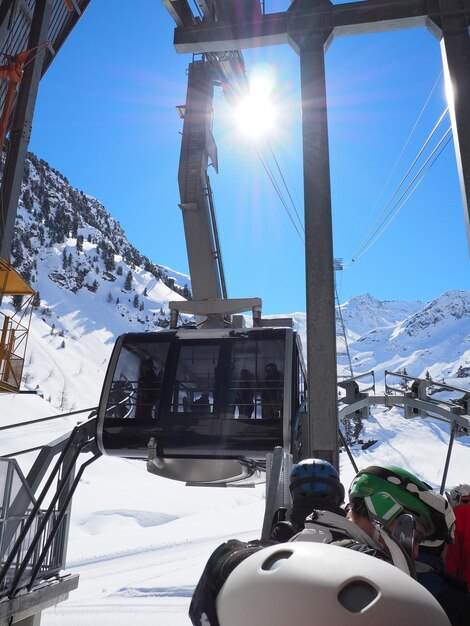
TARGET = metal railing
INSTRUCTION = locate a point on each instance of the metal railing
(18, 558)
(54, 558)
(33, 534)
(416, 396)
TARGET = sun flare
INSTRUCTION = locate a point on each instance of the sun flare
(255, 115)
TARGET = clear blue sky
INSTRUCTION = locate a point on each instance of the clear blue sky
(106, 118)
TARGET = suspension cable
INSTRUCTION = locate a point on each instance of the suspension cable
(387, 224)
(407, 142)
(377, 224)
(278, 191)
(285, 185)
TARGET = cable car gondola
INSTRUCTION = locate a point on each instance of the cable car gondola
(204, 405)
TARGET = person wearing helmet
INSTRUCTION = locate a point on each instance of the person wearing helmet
(314, 485)
(389, 512)
(460, 494)
(315, 584)
(379, 495)
(457, 560)
(450, 591)
(368, 530)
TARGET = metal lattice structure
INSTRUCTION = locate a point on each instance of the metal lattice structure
(14, 324)
(34, 528)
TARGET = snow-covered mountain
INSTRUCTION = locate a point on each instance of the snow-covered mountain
(93, 285)
(363, 313)
(432, 339)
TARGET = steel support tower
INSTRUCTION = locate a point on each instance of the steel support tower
(309, 27)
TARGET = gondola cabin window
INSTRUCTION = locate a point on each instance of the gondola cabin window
(136, 388)
(195, 379)
(257, 379)
(231, 379)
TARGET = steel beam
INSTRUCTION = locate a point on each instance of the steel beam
(205, 36)
(21, 128)
(455, 49)
(321, 332)
(207, 8)
(197, 136)
(5, 10)
(5, 21)
(375, 16)
(180, 12)
(353, 18)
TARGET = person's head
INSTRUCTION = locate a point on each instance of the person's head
(147, 364)
(383, 493)
(316, 481)
(316, 584)
(271, 368)
(460, 494)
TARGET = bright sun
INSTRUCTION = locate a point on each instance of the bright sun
(255, 114)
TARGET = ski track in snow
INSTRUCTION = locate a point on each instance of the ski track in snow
(137, 591)
(145, 550)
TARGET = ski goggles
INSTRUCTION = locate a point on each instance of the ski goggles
(383, 508)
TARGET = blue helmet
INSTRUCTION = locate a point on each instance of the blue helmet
(316, 479)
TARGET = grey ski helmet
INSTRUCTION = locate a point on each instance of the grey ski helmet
(317, 584)
(460, 494)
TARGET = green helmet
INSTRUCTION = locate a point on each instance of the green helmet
(389, 491)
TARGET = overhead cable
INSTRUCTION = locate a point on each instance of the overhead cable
(415, 125)
(278, 191)
(384, 224)
(379, 221)
(286, 186)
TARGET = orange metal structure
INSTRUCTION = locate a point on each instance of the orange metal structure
(14, 327)
(13, 72)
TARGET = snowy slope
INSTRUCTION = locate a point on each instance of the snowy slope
(69, 347)
(139, 542)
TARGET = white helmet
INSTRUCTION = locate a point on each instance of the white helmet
(460, 494)
(319, 584)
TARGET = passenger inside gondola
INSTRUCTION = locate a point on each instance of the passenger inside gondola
(271, 395)
(202, 404)
(245, 394)
(149, 390)
(119, 399)
(227, 398)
